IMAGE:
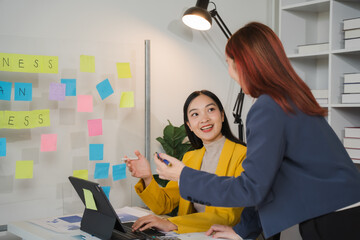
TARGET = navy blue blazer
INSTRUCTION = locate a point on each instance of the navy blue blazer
(296, 169)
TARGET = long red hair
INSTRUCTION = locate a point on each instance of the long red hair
(264, 68)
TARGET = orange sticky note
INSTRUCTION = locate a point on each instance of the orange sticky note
(48, 142)
(127, 100)
(87, 63)
(24, 169)
(85, 103)
(123, 70)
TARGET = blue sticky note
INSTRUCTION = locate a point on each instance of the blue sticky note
(106, 190)
(96, 151)
(23, 91)
(70, 89)
(5, 90)
(104, 88)
(2, 147)
(101, 170)
(71, 219)
(119, 171)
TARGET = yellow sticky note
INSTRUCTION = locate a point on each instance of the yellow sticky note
(24, 169)
(123, 70)
(89, 200)
(87, 63)
(25, 119)
(83, 174)
(28, 63)
(127, 100)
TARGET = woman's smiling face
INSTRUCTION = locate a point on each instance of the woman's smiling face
(205, 119)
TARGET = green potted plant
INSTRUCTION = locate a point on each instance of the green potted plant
(174, 144)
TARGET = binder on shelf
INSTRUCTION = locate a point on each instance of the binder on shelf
(323, 93)
(352, 33)
(352, 78)
(352, 132)
(353, 153)
(351, 87)
(351, 142)
(352, 43)
(313, 48)
(351, 23)
(350, 98)
(322, 100)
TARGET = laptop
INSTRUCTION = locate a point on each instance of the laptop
(103, 222)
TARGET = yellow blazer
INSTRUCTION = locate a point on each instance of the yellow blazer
(164, 200)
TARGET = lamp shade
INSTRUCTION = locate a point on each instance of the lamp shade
(198, 18)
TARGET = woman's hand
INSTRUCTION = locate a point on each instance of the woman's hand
(222, 231)
(140, 168)
(152, 221)
(170, 172)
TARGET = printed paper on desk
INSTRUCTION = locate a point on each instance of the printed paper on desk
(61, 224)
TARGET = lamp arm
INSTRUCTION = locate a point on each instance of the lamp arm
(215, 15)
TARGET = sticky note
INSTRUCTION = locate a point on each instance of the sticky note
(104, 88)
(96, 151)
(57, 91)
(95, 127)
(83, 174)
(48, 142)
(23, 91)
(127, 100)
(123, 70)
(89, 200)
(5, 90)
(24, 169)
(87, 63)
(119, 171)
(106, 190)
(101, 170)
(2, 147)
(25, 119)
(70, 89)
(12, 62)
(85, 103)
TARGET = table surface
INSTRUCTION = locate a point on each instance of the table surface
(28, 230)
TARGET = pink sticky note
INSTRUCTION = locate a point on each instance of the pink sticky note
(95, 127)
(85, 103)
(48, 142)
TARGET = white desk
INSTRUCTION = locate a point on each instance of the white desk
(31, 231)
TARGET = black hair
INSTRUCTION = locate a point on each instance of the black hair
(195, 141)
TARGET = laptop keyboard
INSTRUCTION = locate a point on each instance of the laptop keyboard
(146, 234)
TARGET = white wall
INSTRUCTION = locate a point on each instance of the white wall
(182, 60)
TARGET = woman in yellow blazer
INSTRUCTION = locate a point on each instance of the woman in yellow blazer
(209, 133)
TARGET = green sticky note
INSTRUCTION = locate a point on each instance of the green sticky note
(87, 63)
(127, 100)
(89, 200)
(24, 169)
(123, 70)
(83, 174)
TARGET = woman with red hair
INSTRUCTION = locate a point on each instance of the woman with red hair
(296, 170)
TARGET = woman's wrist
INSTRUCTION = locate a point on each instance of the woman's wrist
(147, 180)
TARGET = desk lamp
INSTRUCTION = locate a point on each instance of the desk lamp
(200, 18)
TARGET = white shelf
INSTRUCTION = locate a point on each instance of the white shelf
(310, 6)
(305, 22)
